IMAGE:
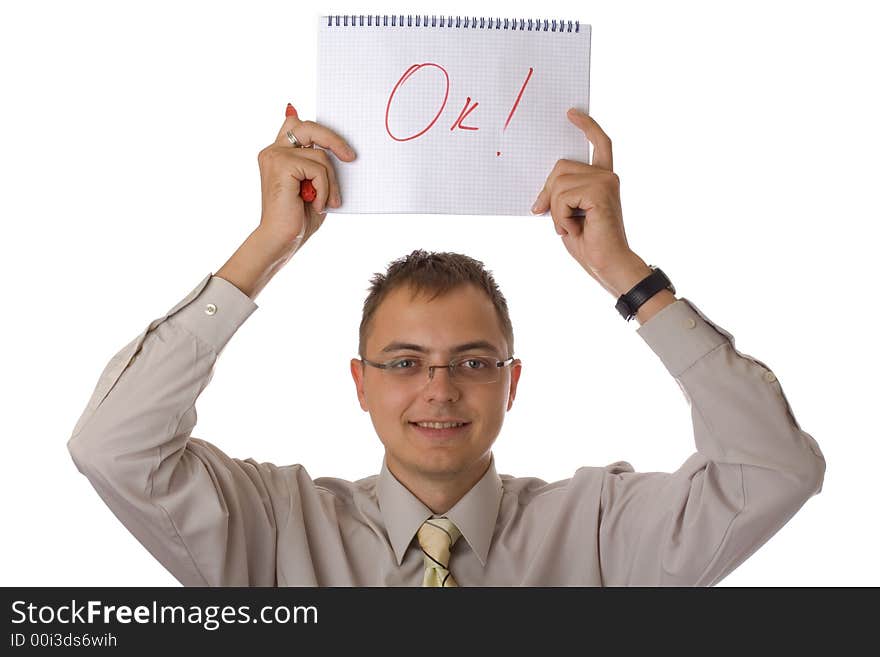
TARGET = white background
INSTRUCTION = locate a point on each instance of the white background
(746, 140)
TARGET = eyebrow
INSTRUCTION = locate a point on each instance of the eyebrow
(467, 346)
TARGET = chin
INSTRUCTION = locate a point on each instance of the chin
(437, 463)
(445, 463)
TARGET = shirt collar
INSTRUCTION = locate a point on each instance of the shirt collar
(475, 514)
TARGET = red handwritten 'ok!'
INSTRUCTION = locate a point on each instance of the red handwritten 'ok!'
(466, 110)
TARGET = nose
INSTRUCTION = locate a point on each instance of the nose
(440, 384)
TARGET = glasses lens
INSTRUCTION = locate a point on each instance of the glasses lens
(406, 368)
(475, 369)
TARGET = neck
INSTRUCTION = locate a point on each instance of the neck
(439, 493)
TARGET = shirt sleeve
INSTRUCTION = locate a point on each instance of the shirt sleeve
(211, 520)
(753, 469)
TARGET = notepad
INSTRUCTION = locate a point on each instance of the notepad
(451, 115)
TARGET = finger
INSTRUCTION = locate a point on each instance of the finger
(566, 200)
(540, 205)
(602, 156)
(562, 167)
(571, 215)
(564, 219)
(311, 133)
(326, 138)
(321, 157)
(291, 121)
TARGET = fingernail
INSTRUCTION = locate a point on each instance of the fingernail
(337, 201)
(349, 151)
(290, 111)
(535, 208)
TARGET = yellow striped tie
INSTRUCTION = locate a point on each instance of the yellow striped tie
(436, 537)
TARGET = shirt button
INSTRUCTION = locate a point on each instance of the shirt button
(769, 377)
(210, 309)
(690, 323)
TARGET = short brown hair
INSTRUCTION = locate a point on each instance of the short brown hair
(438, 273)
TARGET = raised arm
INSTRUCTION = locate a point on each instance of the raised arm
(754, 467)
(208, 518)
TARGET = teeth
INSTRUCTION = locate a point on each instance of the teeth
(440, 425)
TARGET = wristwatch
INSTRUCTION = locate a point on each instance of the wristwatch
(629, 303)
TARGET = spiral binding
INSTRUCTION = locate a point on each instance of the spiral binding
(540, 25)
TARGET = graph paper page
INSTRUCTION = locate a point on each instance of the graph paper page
(450, 120)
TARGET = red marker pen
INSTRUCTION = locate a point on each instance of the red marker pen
(306, 189)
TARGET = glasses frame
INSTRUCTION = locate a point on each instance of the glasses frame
(450, 366)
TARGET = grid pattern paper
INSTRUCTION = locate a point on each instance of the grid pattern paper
(414, 155)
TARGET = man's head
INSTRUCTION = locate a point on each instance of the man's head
(435, 303)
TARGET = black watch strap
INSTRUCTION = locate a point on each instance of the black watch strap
(629, 303)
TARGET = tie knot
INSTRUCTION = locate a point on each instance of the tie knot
(437, 536)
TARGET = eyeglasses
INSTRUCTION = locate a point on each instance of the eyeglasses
(467, 369)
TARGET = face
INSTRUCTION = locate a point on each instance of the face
(461, 316)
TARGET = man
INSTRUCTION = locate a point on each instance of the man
(436, 373)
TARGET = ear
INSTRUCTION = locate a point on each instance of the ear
(515, 371)
(357, 373)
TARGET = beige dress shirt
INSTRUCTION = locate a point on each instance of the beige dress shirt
(214, 520)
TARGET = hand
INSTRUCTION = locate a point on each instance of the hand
(584, 202)
(286, 216)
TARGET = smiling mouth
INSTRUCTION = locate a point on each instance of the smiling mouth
(441, 432)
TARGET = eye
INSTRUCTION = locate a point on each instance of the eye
(475, 363)
(397, 364)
